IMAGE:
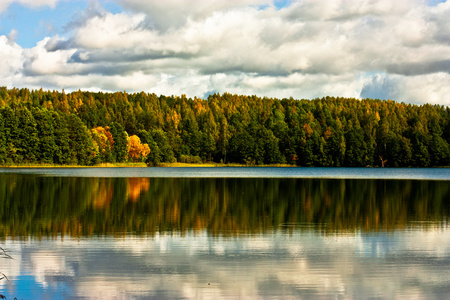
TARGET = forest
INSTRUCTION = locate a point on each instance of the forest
(88, 128)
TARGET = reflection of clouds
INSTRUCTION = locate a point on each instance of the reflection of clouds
(433, 240)
(105, 288)
(47, 263)
(403, 264)
(10, 267)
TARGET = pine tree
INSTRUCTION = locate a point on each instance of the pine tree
(119, 152)
(81, 144)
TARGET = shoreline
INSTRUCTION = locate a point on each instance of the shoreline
(186, 165)
(143, 165)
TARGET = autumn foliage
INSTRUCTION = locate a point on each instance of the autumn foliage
(87, 128)
(103, 142)
(137, 150)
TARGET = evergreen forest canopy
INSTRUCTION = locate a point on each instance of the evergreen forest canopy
(87, 128)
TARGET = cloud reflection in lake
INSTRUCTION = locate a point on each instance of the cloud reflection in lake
(303, 264)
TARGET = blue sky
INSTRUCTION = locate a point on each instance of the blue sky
(284, 48)
(34, 24)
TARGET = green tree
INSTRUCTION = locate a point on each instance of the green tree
(119, 152)
(272, 154)
(46, 136)
(11, 125)
(3, 149)
(62, 149)
(439, 151)
(81, 143)
(26, 137)
(207, 145)
(355, 154)
(154, 157)
(162, 142)
(336, 147)
(421, 155)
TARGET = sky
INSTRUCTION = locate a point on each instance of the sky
(304, 49)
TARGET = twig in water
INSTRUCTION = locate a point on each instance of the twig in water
(6, 254)
(4, 276)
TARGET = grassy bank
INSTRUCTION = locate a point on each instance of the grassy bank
(212, 164)
(103, 165)
(139, 165)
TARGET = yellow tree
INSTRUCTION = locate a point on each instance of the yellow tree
(103, 143)
(137, 150)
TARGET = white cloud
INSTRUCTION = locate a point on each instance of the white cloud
(12, 60)
(419, 89)
(39, 61)
(429, 88)
(382, 49)
(112, 31)
(29, 3)
(173, 13)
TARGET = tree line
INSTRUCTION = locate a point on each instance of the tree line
(87, 128)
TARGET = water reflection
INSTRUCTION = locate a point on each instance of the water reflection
(196, 266)
(77, 206)
(210, 238)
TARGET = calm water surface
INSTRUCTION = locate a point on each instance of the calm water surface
(213, 233)
(244, 172)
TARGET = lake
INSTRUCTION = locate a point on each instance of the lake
(225, 233)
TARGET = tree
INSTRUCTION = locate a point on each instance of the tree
(421, 155)
(81, 143)
(336, 146)
(162, 142)
(26, 139)
(439, 151)
(272, 154)
(62, 149)
(46, 136)
(154, 157)
(120, 138)
(3, 151)
(355, 154)
(229, 128)
(136, 150)
(207, 145)
(103, 143)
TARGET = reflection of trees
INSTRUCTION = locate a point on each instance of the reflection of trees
(136, 186)
(46, 206)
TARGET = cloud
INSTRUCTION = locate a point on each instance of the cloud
(12, 59)
(39, 61)
(112, 31)
(379, 87)
(306, 49)
(420, 68)
(12, 36)
(28, 3)
(163, 15)
(418, 89)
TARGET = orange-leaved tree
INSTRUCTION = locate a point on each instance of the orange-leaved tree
(136, 150)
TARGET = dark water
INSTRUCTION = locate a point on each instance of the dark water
(112, 235)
